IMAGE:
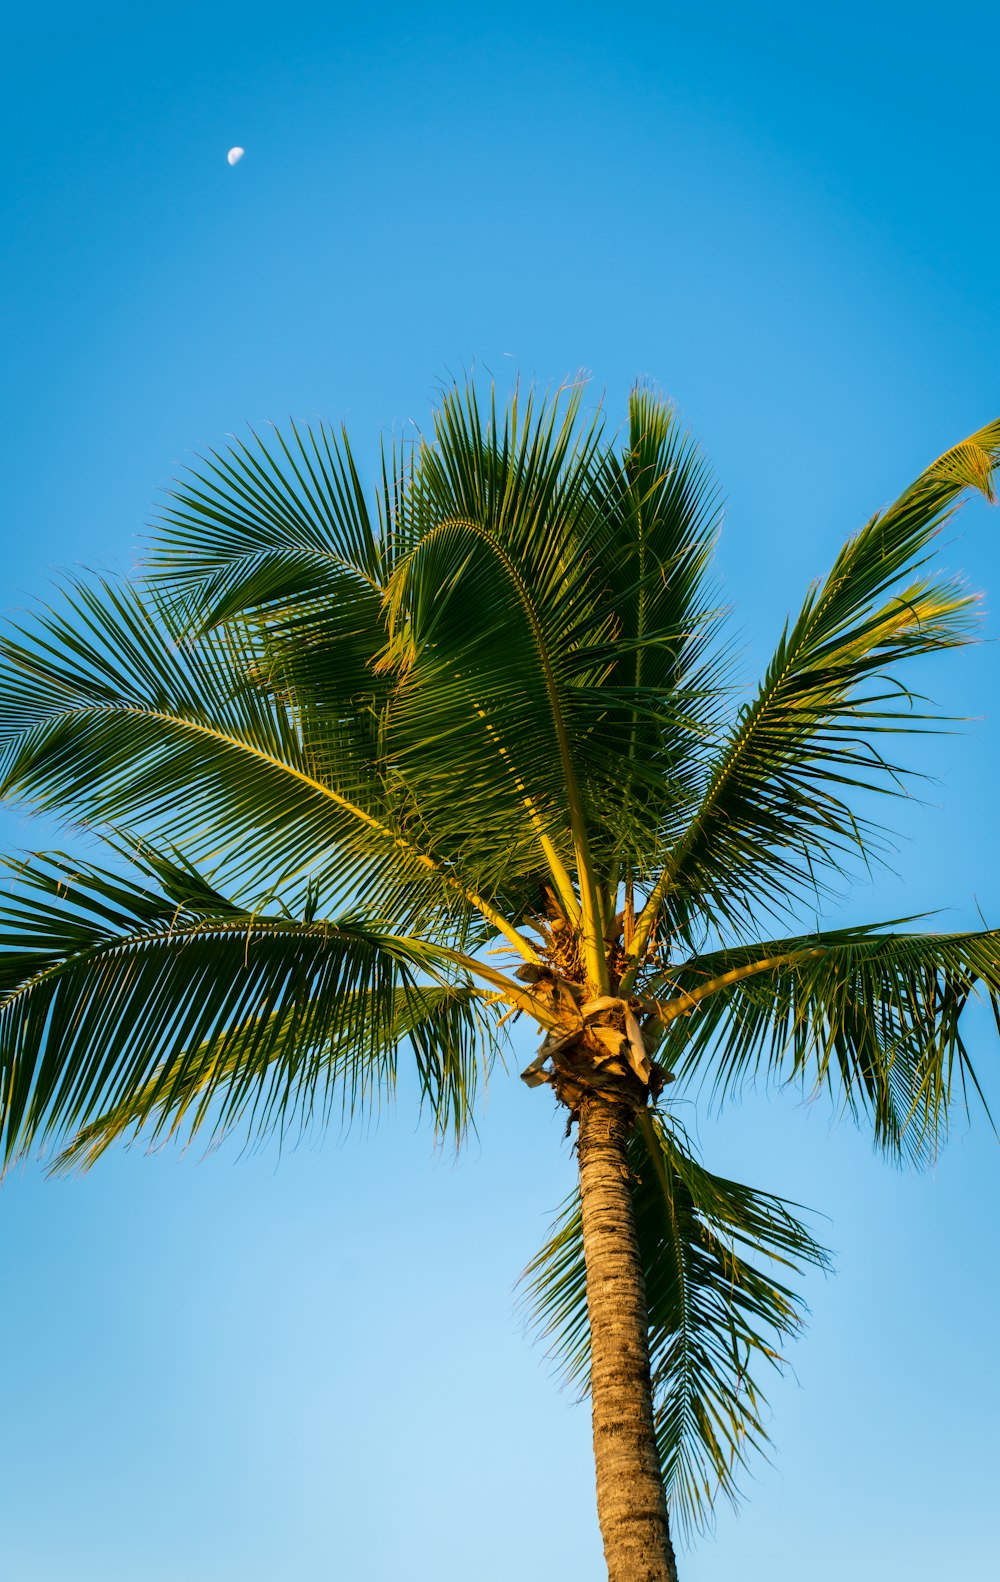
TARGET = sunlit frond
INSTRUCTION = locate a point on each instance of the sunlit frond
(109, 717)
(779, 805)
(873, 1016)
(268, 523)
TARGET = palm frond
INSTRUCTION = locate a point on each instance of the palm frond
(660, 510)
(715, 1256)
(443, 1028)
(485, 612)
(776, 810)
(548, 619)
(109, 716)
(870, 1015)
(258, 525)
(130, 996)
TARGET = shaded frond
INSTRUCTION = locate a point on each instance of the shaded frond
(442, 1027)
(489, 603)
(151, 996)
(712, 1252)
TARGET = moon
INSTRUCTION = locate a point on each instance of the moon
(235, 155)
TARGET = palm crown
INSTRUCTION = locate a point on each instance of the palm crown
(376, 780)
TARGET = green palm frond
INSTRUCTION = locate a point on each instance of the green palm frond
(873, 1016)
(715, 1257)
(535, 674)
(259, 525)
(277, 1084)
(777, 806)
(661, 512)
(126, 997)
(490, 601)
(281, 534)
(534, 575)
(109, 716)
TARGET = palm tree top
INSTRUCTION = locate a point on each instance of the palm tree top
(377, 774)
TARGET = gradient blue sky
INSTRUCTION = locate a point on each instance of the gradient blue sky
(309, 1368)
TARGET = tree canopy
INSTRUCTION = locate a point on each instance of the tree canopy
(370, 777)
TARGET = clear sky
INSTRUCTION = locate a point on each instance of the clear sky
(310, 1368)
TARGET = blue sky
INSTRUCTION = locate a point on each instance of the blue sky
(244, 1368)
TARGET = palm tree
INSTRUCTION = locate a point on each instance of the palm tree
(374, 783)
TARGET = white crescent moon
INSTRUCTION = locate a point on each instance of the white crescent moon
(235, 155)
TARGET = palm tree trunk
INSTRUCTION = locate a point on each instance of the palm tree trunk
(631, 1504)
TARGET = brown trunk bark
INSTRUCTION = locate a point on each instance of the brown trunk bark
(631, 1505)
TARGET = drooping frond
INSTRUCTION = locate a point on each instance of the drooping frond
(277, 1084)
(125, 998)
(873, 1016)
(715, 1257)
